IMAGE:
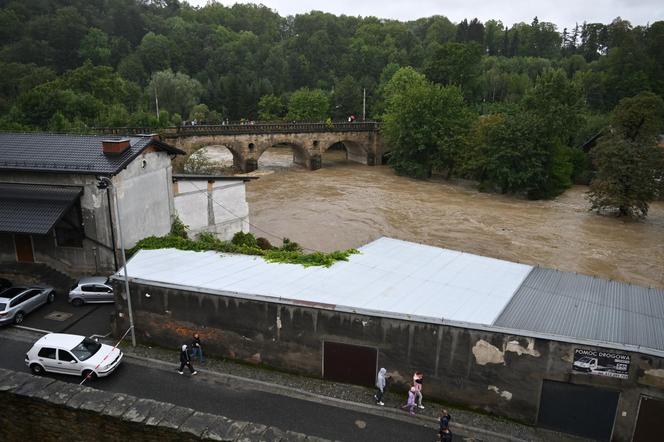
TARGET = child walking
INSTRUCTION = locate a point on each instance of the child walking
(410, 405)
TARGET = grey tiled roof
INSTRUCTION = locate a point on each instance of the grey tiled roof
(583, 307)
(32, 208)
(42, 152)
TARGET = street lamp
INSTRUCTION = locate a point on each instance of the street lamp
(104, 183)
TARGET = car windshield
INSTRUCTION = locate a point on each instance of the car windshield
(86, 349)
(585, 359)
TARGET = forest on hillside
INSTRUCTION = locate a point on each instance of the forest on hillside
(77, 64)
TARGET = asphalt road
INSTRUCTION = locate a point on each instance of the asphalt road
(238, 402)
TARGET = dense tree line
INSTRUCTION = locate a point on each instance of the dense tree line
(508, 106)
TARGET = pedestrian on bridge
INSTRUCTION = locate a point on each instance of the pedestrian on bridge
(185, 360)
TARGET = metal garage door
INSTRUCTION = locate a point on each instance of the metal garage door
(578, 409)
(649, 422)
(349, 363)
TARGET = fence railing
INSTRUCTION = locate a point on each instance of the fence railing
(243, 128)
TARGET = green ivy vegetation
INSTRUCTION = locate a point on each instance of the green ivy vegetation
(246, 244)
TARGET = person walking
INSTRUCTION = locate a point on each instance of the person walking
(417, 383)
(380, 385)
(444, 425)
(185, 360)
(410, 405)
(196, 349)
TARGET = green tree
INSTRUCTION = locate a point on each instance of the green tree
(177, 92)
(95, 47)
(270, 108)
(308, 105)
(424, 124)
(455, 64)
(627, 176)
(629, 164)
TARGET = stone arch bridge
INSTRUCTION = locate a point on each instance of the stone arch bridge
(247, 142)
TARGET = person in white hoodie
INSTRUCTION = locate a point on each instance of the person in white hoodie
(380, 384)
(185, 360)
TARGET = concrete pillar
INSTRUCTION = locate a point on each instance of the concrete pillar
(315, 162)
(250, 164)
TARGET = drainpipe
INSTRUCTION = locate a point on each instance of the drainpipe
(110, 217)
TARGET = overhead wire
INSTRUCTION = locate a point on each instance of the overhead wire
(208, 195)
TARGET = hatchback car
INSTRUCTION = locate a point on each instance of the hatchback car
(72, 354)
(16, 302)
(91, 289)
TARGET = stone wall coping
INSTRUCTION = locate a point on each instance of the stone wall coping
(166, 416)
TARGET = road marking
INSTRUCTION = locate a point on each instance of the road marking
(23, 327)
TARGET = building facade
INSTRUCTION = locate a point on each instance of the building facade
(52, 210)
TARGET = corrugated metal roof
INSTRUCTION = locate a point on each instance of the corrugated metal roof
(33, 208)
(388, 278)
(43, 152)
(583, 307)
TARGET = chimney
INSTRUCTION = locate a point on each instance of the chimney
(153, 136)
(115, 147)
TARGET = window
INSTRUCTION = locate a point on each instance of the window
(86, 349)
(87, 288)
(64, 355)
(46, 352)
(19, 299)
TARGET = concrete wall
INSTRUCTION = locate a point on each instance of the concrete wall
(43, 409)
(145, 198)
(494, 372)
(219, 207)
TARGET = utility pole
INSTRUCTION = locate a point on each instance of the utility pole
(105, 183)
(156, 100)
(364, 103)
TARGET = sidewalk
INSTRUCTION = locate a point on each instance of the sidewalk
(476, 425)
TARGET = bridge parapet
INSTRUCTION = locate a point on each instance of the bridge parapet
(243, 129)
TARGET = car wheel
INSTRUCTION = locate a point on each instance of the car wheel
(50, 298)
(37, 369)
(18, 318)
(92, 375)
(77, 302)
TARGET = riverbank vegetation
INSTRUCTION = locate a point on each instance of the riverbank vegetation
(242, 243)
(511, 106)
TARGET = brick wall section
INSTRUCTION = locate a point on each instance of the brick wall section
(43, 409)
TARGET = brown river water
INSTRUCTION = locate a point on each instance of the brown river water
(346, 204)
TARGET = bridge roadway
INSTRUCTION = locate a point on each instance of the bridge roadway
(248, 141)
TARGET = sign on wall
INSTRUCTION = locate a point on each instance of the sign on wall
(603, 363)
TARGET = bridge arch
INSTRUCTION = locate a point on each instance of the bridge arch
(356, 151)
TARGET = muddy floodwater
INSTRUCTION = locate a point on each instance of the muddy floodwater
(346, 205)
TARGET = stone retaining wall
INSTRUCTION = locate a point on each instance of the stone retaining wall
(43, 409)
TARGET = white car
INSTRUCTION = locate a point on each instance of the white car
(72, 354)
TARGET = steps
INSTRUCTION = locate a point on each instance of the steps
(36, 273)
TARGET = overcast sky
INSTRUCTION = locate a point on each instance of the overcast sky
(563, 13)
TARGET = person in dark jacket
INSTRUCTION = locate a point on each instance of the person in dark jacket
(444, 425)
(196, 349)
(185, 360)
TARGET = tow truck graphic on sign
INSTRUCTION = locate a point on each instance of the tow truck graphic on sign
(603, 363)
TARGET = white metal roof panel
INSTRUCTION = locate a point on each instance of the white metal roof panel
(389, 276)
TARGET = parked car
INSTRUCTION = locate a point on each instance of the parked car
(16, 302)
(91, 289)
(72, 354)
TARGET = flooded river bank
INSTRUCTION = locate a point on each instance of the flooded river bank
(346, 205)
